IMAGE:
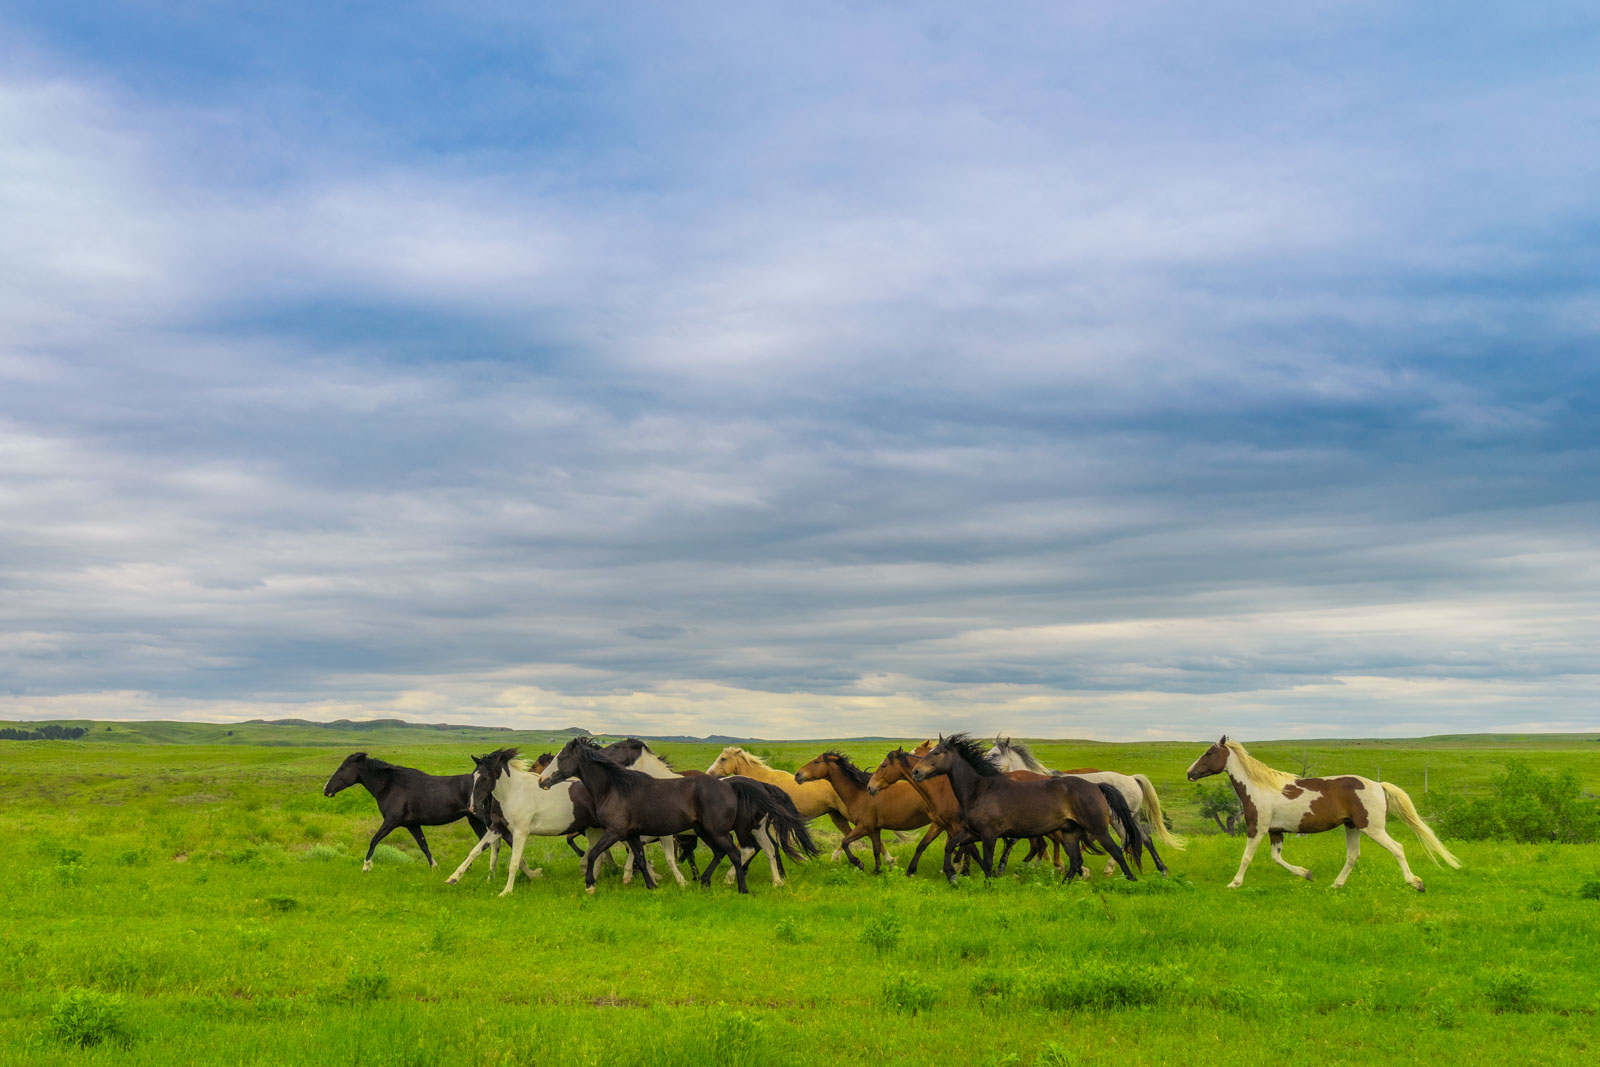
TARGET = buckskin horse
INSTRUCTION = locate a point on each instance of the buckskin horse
(895, 808)
(1276, 802)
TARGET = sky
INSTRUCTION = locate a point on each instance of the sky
(1129, 371)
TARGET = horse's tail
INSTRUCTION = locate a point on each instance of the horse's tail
(760, 802)
(1132, 834)
(1152, 808)
(1402, 806)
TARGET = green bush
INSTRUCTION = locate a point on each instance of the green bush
(1101, 986)
(908, 992)
(1522, 805)
(882, 933)
(1590, 890)
(1508, 990)
(362, 987)
(86, 1017)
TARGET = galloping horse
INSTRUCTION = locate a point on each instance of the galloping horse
(510, 787)
(407, 797)
(994, 806)
(896, 808)
(1137, 791)
(630, 806)
(811, 799)
(1276, 802)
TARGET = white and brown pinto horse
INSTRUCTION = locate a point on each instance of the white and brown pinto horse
(1276, 802)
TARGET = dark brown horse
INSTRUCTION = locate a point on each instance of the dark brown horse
(407, 797)
(994, 806)
(631, 806)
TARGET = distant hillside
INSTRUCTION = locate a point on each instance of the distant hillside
(298, 732)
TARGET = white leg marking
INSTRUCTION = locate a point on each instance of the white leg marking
(1352, 849)
(518, 840)
(1381, 836)
(1250, 847)
(1277, 857)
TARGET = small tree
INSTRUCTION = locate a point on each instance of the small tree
(1218, 802)
(1522, 805)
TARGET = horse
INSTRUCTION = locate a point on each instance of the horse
(994, 806)
(1276, 802)
(940, 803)
(811, 799)
(630, 805)
(635, 754)
(509, 786)
(407, 797)
(896, 808)
(1137, 791)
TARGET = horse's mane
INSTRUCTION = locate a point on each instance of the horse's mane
(1258, 772)
(1002, 745)
(621, 779)
(373, 762)
(502, 755)
(641, 745)
(970, 750)
(851, 771)
(734, 751)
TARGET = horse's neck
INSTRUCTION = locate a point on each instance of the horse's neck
(844, 785)
(1242, 782)
(653, 765)
(759, 771)
(377, 781)
(965, 783)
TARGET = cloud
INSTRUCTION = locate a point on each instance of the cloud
(738, 373)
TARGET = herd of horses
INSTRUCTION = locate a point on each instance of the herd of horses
(624, 793)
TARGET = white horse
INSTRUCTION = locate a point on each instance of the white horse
(528, 811)
(1136, 790)
(1276, 802)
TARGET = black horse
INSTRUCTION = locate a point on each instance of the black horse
(407, 797)
(631, 806)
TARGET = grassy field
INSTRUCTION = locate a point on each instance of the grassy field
(202, 880)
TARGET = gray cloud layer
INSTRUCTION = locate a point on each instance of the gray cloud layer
(1099, 379)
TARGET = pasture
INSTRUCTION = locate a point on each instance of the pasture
(203, 881)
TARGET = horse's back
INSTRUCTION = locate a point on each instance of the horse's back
(1312, 805)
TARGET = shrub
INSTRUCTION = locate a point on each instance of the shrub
(1590, 890)
(362, 987)
(788, 931)
(1522, 805)
(324, 852)
(736, 1038)
(1219, 802)
(1103, 986)
(907, 992)
(390, 854)
(1508, 990)
(993, 983)
(1055, 1055)
(882, 933)
(86, 1017)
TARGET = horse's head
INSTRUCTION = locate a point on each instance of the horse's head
(1214, 761)
(347, 775)
(893, 769)
(487, 771)
(924, 748)
(542, 762)
(730, 761)
(815, 771)
(565, 765)
(937, 761)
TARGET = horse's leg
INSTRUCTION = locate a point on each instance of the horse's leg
(1381, 836)
(636, 849)
(1150, 845)
(716, 854)
(572, 843)
(768, 844)
(669, 849)
(372, 846)
(841, 824)
(934, 830)
(960, 840)
(422, 843)
(1005, 855)
(476, 849)
(606, 839)
(1037, 849)
(855, 834)
(877, 851)
(494, 855)
(686, 844)
(1277, 856)
(1074, 856)
(986, 861)
(1251, 844)
(732, 851)
(1352, 849)
(518, 841)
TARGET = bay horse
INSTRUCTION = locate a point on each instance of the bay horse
(1276, 802)
(631, 805)
(1137, 791)
(995, 806)
(939, 802)
(508, 787)
(812, 799)
(407, 798)
(895, 808)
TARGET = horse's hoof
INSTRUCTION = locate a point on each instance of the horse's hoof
(1235, 885)
(1418, 886)
(538, 872)
(590, 890)
(1307, 876)
(367, 866)
(450, 881)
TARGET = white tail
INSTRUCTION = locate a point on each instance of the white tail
(1402, 806)
(1152, 809)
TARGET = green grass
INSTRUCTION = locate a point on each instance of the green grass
(204, 902)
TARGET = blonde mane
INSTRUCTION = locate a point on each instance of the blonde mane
(735, 752)
(523, 765)
(1258, 772)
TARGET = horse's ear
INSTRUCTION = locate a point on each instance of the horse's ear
(1224, 740)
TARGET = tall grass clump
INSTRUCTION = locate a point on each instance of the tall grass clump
(88, 1017)
(1100, 986)
(909, 992)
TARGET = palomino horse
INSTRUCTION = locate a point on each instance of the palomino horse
(1276, 802)
(896, 808)
(1137, 791)
(994, 806)
(631, 805)
(509, 785)
(811, 799)
(407, 797)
